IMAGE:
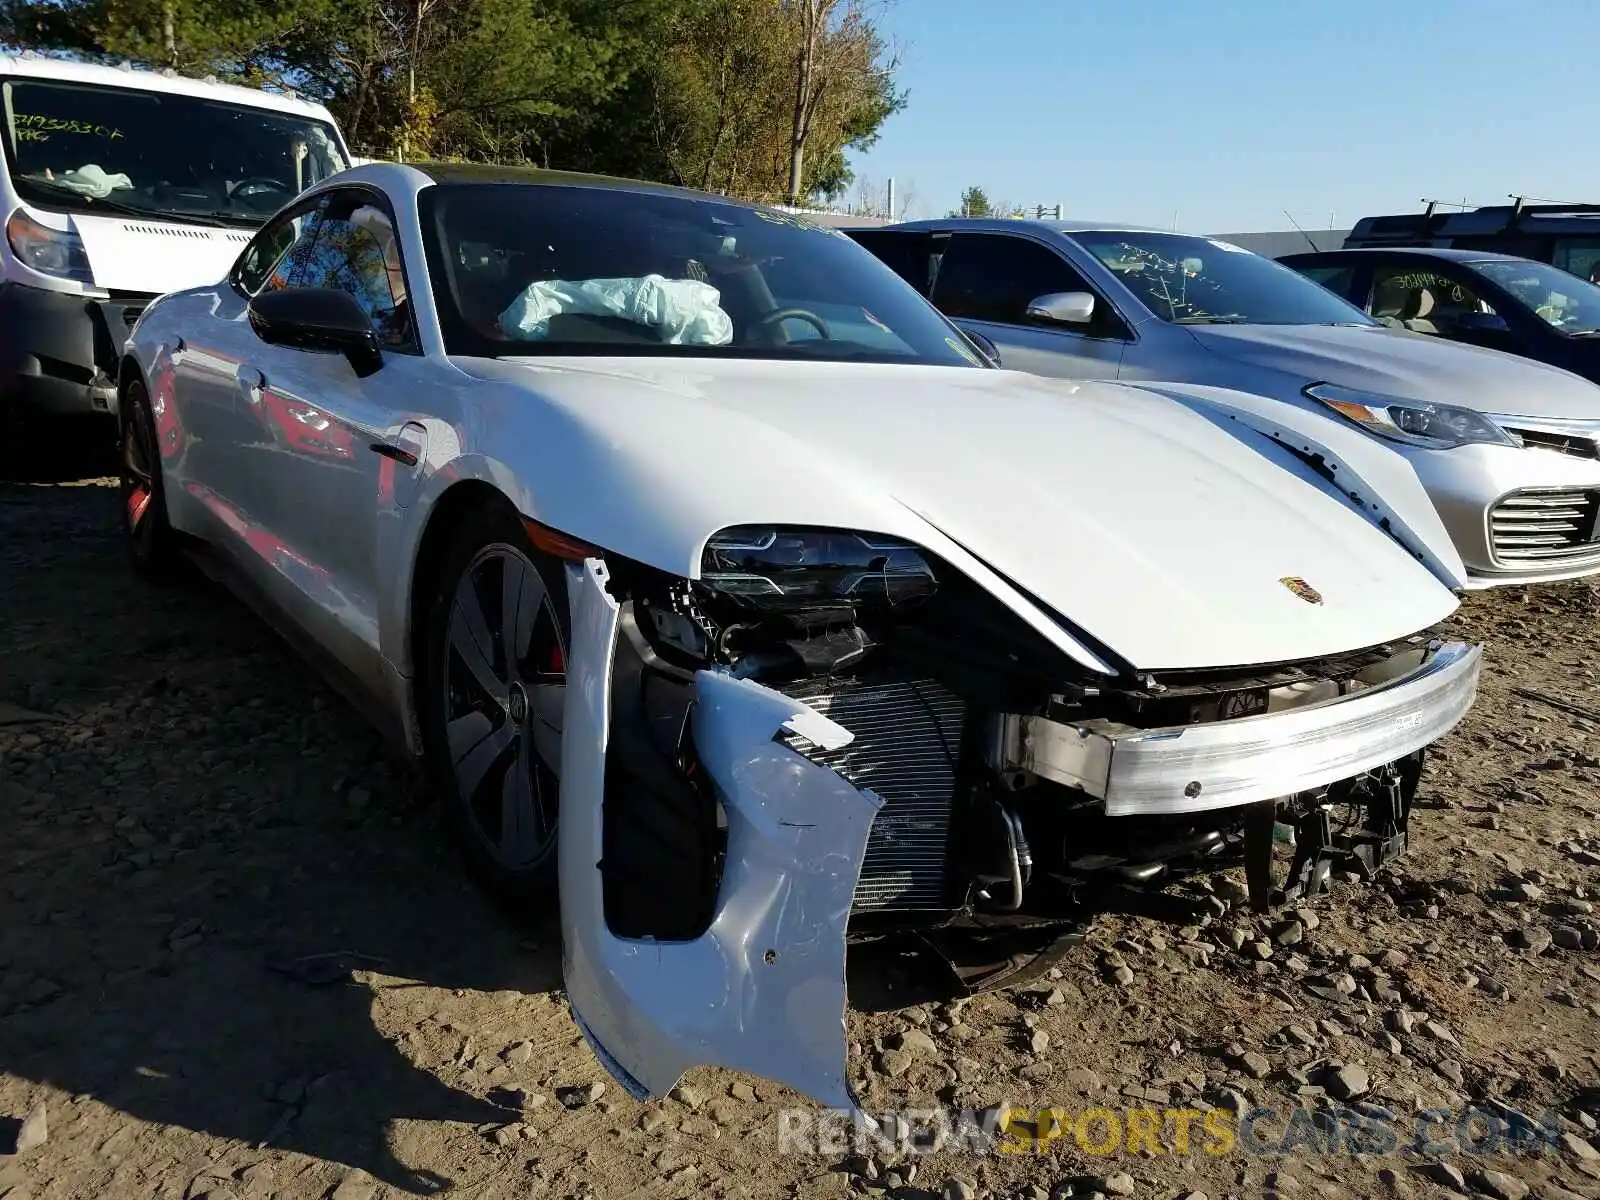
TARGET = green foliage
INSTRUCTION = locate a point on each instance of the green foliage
(975, 203)
(696, 92)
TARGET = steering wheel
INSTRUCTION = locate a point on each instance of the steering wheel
(256, 184)
(781, 315)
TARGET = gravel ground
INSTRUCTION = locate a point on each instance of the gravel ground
(237, 960)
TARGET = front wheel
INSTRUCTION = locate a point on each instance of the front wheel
(152, 544)
(491, 700)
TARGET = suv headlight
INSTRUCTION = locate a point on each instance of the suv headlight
(1414, 422)
(48, 251)
(784, 569)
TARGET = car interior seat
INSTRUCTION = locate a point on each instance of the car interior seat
(1417, 314)
(1389, 300)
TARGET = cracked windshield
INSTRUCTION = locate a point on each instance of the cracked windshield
(1202, 281)
(86, 149)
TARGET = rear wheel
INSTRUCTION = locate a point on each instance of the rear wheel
(152, 544)
(491, 702)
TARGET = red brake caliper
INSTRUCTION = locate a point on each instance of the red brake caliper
(138, 497)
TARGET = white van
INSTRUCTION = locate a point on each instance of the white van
(119, 185)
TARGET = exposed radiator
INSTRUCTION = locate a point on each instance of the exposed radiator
(907, 742)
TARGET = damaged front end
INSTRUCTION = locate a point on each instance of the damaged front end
(831, 734)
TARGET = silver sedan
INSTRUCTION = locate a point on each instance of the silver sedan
(1508, 449)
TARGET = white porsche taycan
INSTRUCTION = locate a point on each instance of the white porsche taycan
(818, 623)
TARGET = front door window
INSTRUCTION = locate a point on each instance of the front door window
(1424, 300)
(350, 246)
(994, 277)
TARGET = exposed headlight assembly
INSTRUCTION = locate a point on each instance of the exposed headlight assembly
(48, 251)
(784, 569)
(1414, 422)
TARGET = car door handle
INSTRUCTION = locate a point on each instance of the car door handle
(401, 455)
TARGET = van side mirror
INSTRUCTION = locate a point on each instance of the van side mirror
(1063, 308)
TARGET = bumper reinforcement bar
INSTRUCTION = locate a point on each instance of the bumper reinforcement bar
(1401, 705)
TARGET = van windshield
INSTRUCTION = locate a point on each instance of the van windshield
(83, 147)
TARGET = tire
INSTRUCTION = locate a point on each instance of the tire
(491, 722)
(152, 544)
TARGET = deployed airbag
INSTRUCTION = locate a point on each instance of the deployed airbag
(686, 311)
(92, 180)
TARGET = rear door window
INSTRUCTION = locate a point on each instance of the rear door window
(908, 255)
(1338, 280)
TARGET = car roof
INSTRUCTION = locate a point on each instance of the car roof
(29, 65)
(1440, 252)
(1015, 224)
(484, 173)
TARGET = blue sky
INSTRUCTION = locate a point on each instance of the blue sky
(1230, 113)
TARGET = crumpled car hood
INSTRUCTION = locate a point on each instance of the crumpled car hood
(1413, 365)
(1162, 534)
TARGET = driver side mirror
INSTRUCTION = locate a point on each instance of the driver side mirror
(318, 319)
(1482, 322)
(1063, 308)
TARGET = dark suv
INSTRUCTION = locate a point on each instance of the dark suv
(1565, 235)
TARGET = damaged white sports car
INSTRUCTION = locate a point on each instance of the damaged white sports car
(819, 625)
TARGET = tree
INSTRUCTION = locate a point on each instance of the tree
(701, 109)
(840, 62)
(693, 92)
(974, 203)
(908, 201)
(224, 36)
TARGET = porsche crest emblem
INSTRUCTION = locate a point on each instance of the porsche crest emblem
(1302, 589)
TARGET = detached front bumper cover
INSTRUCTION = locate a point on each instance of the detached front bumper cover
(763, 988)
(1409, 701)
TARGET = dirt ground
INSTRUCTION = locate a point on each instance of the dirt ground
(237, 960)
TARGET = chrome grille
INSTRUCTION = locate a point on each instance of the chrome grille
(1574, 444)
(1545, 526)
(907, 743)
